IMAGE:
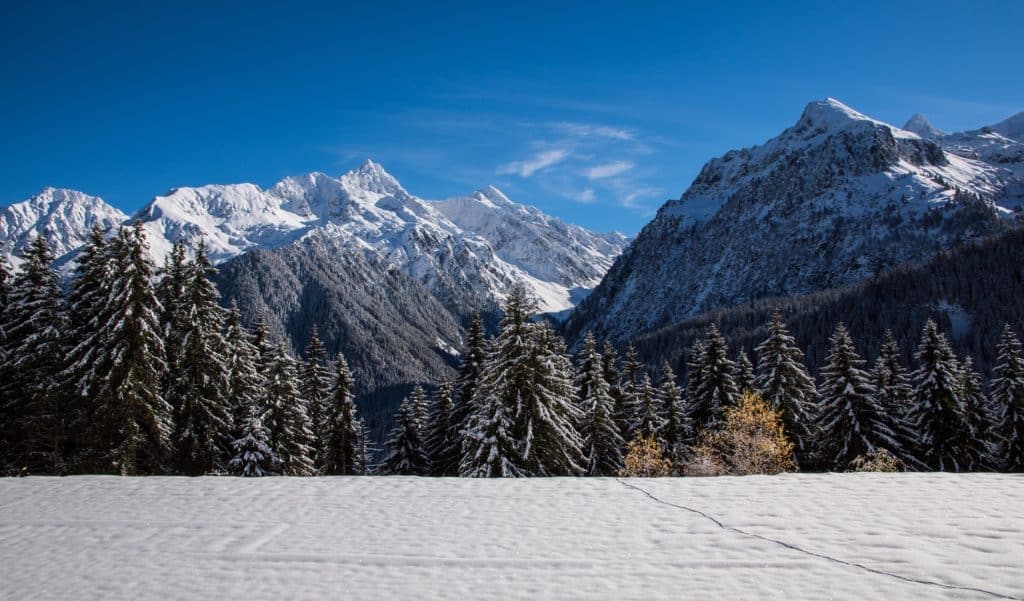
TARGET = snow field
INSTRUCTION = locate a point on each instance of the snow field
(913, 536)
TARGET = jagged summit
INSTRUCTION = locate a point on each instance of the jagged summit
(372, 177)
(831, 113)
(920, 125)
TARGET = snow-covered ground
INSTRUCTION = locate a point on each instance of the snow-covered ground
(849, 536)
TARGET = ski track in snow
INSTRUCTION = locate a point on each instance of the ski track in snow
(798, 549)
(796, 536)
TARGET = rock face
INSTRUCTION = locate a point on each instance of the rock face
(832, 200)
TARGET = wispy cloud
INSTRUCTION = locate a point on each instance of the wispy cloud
(607, 170)
(585, 196)
(583, 130)
(541, 160)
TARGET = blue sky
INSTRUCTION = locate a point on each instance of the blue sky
(596, 112)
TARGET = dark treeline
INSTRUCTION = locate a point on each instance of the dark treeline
(134, 370)
(980, 284)
(522, 407)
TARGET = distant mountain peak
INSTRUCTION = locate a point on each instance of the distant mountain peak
(831, 113)
(1012, 127)
(372, 177)
(920, 125)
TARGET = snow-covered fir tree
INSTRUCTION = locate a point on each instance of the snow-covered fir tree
(891, 379)
(547, 415)
(34, 326)
(200, 382)
(979, 414)
(628, 407)
(170, 291)
(851, 420)
(746, 379)
(470, 370)
(404, 454)
(938, 416)
(129, 424)
(489, 449)
(5, 283)
(650, 422)
(443, 442)
(290, 434)
(261, 339)
(610, 368)
(244, 378)
(315, 387)
(714, 384)
(253, 455)
(1008, 400)
(677, 429)
(421, 409)
(342, 451)
(785, 384)
(602, 441)
(694, 358)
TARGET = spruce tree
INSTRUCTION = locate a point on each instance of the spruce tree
(745, 377)
(265, 350)
(984, 441)
(784, 383)
(5, 283)
(170, 291)
(602, 441)
(244, 378)
(200, 381)
(677, 429)
(938, 416)
(489, 449)
(404, 453)
(628, 408)
(129, 419)
(891, 380)
(316, 387)
(851, 421)
(470, 372)
(1008, 399)
(443, 441)
(290, 434)
(342, 453)
(34, 412)
(610, 367)
(421, 409)
(694, 363)
(714, 387)
(253, 455)
(649, 421)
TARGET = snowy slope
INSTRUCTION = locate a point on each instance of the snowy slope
(829, 202)
(63, 216)
(839, 536)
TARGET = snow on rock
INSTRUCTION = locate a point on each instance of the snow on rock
(920, 125)
(835, 536)
(828, 202)
(63, 216)
(1012, 127)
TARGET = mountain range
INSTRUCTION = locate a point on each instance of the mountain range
(834, 199)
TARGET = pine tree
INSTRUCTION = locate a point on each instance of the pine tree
(87, 302)
(404, 453)
(489, 448)
(1008, 399)
(129, 419)
(443, 441)
(890, 378)
(602, 441)
(938, 415)
(694, 363)
(34, 413)
(745, 377)
(342, 452)
(316, 387)
(784, 383)
(290, 434)
(261, 340)
(420, 409)
(851, 422)
(649, 421)
(677, 429)
(244, 378)
(610, 367)
(170, 291)
(254, 456)
(983, 444)
(470, 372)
(200, 382)
(714, 387)
(628, 408)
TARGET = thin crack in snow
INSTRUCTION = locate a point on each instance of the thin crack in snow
(810, 553)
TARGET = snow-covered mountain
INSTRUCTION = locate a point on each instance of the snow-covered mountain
(63, 216)
(830, 201)
(467, 251)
